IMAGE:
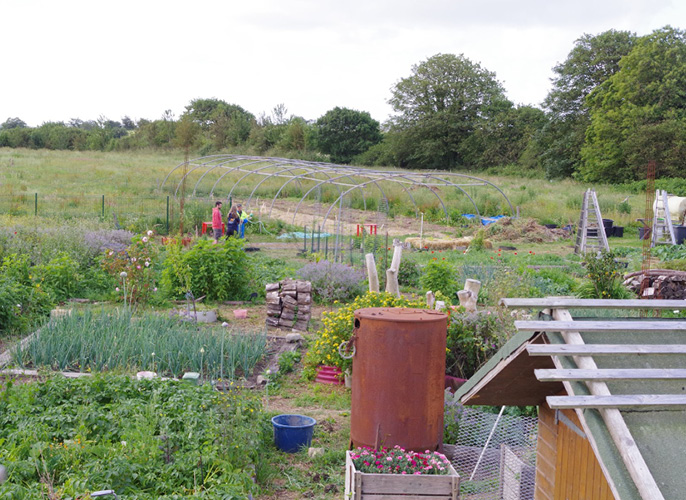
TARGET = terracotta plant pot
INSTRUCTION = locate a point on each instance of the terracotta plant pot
(329, 375)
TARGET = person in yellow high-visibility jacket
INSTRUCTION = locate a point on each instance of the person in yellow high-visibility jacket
(244, 217)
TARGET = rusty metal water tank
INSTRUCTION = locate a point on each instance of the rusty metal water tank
(398, 378)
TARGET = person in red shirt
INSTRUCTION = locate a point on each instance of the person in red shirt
(217, 221)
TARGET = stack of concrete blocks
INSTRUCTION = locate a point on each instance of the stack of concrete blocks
(289, 304)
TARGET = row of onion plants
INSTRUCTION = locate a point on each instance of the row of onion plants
(116, 340)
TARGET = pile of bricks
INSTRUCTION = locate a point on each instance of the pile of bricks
(289, 304)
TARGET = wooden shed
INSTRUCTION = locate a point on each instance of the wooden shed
(611, 394)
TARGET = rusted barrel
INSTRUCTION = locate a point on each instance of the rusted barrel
(398, 378)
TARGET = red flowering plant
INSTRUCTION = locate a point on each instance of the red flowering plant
(397, 460)
(134, 269)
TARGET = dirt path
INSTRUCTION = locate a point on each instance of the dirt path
(309, 213)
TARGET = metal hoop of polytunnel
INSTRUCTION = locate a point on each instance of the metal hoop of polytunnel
(229, 176)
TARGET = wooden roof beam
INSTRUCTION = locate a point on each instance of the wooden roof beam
(545, 375)
(615, 402)
(601, 326)
(563, 303)
(602, 349)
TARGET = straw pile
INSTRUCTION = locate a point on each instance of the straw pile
(443, 244)
(524, 231)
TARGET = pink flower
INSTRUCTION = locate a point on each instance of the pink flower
(138, 267)
(116, 289)
(145, 239)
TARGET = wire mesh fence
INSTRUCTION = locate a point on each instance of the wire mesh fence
(159, 212)
(495, 456)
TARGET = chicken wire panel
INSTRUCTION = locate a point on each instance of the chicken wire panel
(495, 456)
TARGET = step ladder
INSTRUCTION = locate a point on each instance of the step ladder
(663, 230)
(590, 234)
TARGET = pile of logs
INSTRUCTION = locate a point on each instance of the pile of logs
(288, 304)
(658, 283)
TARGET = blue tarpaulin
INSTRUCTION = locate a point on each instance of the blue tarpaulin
(484, 220)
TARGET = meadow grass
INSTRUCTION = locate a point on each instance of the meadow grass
(73, 184)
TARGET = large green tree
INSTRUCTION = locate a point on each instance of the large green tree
(504, 137)
(344, 133)
(438, 107)
(13, 123)
(639, 113)
(224, 124)
(593, 60)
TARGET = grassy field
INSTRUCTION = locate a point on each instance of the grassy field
(90, 184)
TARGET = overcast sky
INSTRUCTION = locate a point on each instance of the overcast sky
(86, 58)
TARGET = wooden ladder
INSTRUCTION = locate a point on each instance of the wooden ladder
(591, 232)
(663, 230)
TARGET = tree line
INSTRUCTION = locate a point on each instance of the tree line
(617, 102)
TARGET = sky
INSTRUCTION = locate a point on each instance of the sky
(88, 59)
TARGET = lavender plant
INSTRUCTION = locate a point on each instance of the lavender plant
(332, 281)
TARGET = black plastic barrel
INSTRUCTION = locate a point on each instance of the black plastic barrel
(680, 234)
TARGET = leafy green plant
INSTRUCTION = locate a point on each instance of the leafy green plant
(624, 208)
(409, 273)
(604, 278)
(670, 252)
(219, 272)
(22, 301)
(265, 269)
(439, 275)
(288, 360)
(145, 439)
(452, 411)
(678, 264)
(474, 338)
(135, 268)
(60, 277)
(478, 243)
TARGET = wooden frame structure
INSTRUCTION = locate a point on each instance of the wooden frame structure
(612, 373)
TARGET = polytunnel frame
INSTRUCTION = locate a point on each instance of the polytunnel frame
(319, 168)
(445, 210)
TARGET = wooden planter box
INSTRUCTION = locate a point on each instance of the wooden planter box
(367, 486)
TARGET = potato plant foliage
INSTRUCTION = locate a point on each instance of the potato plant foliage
(148, 439)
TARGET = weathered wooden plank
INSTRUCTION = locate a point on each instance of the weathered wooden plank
(546, 375)
(602, 349)
(570, 303)
(620, 401)
(601, 326)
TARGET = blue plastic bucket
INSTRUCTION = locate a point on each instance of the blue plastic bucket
(293, 432)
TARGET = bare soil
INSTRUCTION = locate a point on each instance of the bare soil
(313, 213)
